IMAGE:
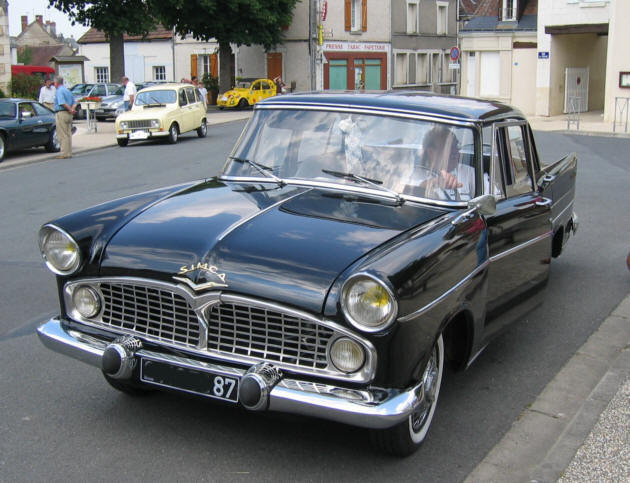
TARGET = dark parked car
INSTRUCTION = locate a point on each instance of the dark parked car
(353, 245)
(26, 124)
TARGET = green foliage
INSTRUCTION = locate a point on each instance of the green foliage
(112, 17)
(243, 22)
(2, 94)
(25, 55)
(211, 83)
(27, 86)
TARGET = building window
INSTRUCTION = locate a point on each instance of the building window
(412, 17)
(508, 12)
(355, 15)
(159, 73)
(102, 74)
(489, 74)
(442, 18)
(204, 65)
(422, 69)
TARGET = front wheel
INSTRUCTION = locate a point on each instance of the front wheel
(173, 134)
(203, 129)
(406, 437)
(3, 147)
(122, 142)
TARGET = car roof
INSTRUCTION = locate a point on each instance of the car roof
(167, 85)
(16, 99)
(414, 102)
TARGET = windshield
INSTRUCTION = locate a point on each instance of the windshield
(81, 89)
(166, 96)
(407, 156)
(7, 109)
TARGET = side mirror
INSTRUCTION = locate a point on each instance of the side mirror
(484, 204)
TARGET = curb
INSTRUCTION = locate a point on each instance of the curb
(542, 442)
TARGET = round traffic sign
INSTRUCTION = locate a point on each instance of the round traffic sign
(454, 53)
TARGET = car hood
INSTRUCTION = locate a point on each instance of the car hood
(237, 91)
(285, 244)
(138, 113)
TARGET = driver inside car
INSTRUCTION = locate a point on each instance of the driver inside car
(439, 169)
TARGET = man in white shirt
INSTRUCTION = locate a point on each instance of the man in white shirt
(129, 94)
(47, 94)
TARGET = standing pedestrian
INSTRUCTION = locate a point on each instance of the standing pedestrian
(202, 90)
(130, 93)
(65, 108)
(47, 94)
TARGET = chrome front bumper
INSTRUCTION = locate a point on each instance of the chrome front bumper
(372, 408)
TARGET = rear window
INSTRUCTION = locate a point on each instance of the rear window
(7, 109)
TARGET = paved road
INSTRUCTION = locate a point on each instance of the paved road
(61, 422)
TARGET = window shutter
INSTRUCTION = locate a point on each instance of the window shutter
(214, 66)
(193, 65)
(364, 15)
(347, 11)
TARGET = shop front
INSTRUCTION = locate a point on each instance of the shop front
(355, 65)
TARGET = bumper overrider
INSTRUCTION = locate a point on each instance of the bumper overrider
(260, 387)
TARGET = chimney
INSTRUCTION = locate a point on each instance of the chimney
(39, 19)
(51, 27)
(24, 22)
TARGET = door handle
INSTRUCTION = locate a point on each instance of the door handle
(544, 202)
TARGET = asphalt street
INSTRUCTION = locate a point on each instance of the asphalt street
(61, 421)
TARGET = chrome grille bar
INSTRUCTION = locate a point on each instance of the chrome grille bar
(266, 334)
(139, 124)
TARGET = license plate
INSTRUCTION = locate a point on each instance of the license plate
(99, 111)
(202, 383)
(139, 135)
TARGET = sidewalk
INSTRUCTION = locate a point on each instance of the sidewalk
(84, 141)
(591, 124)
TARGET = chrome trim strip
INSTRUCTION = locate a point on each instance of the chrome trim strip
(455, 287)
(363, 328)
(405, 113)
(570, 205)
(343, 187)
(200, 303)
(510, 251)
(370, 408)
(239, 223)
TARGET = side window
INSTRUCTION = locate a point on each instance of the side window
(265, 85)
(182, 97)
(492, 172)
(257, 85)
(519, 177)
(99, 91)
(190, 92)
(41, 110)
(26, 110)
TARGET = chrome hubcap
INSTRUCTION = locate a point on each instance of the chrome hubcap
(429, 389)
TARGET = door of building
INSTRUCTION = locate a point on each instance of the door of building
(338, 74)
(575, 89)
(471, 75)
(274, 65)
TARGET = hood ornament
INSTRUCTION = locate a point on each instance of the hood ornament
(213, 278)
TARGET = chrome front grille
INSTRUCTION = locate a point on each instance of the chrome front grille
(266, 334)
(228, 327)
(139, 124)
(160, 314)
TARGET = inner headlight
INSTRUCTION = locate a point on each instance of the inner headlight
(155, 123)
(86, 301)
(367, 303)
(123, 125)
(60, 252)
(347, 355)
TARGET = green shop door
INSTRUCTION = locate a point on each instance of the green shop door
(338, 74)
(367, 74)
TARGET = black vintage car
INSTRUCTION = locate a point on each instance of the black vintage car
(353, 245)
(25, 123)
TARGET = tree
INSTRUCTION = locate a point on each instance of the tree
(24, 55)
(115, 18)
(243, 22)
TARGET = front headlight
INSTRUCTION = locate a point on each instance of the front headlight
(116, 105)
(367, 303)
(60, 252)
(86, 301)
(347, 355)
(155, 123)
(123, 125)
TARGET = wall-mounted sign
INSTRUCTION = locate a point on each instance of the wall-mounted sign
(624, 79)
(543, 55)
(355, 46)
(454, 53)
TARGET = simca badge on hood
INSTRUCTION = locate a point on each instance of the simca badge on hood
(209, 276)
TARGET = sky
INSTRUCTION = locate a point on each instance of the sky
(17, 8)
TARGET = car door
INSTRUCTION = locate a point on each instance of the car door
(181, 113)
(45, 121)
(256, 92)
(266, 90)
(519, 232)
(29, 130)
(192, 110)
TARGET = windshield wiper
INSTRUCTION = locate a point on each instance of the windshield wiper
(261, 168)
(372, 182)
